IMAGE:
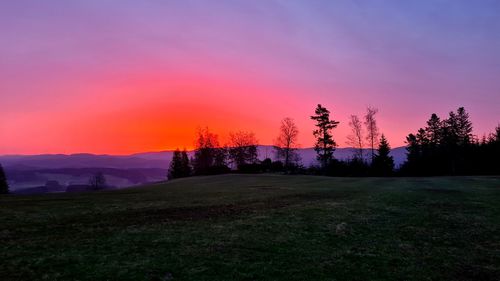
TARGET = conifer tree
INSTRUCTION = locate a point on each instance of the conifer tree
(383, 163)
(175, 169)
(447, 147)
(434, 130)
(457, 138)
(186, 167)
(325, 144)
(4, 186)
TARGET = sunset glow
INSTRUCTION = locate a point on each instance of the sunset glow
(119, 77)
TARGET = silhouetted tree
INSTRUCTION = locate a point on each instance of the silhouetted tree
(220, 160)
(209, 157)
(4, 185)
(174, 170)
(491, 152)
(179, 166)
(411, 164)
(355, 139)
(242, 148)
(325, 144)
(98, 181)
(204, 155)
(449, 147)
(425, 149)
(434, 130)
(186, 166)
(383, 163)
(457, 139)
(431, 141)
(371, 129)
(462, 126)
(495, 137)
(487, 154)
(286, 142)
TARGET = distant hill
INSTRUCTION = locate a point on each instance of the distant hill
(28, 171)
(159, 159)
(56, 161)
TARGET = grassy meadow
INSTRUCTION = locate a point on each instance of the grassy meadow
(258, 227)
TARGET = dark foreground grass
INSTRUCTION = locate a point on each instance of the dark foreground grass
(262, 227)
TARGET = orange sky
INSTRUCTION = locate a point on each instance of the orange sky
(152, 114)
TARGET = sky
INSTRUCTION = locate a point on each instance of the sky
(124, 76)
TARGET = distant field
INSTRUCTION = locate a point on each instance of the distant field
(258, 227)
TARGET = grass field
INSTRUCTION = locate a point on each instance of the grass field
(258, 227)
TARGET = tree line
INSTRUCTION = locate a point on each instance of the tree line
(241, 154)
(448, 147)
(443, 147)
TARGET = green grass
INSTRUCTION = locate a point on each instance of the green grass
(258, 227)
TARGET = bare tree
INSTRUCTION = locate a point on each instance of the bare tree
(371, 129)
(355, 139)
(209, 156)
(286, 142)
(242, 148)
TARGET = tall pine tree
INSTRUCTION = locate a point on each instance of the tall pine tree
(325, 144)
